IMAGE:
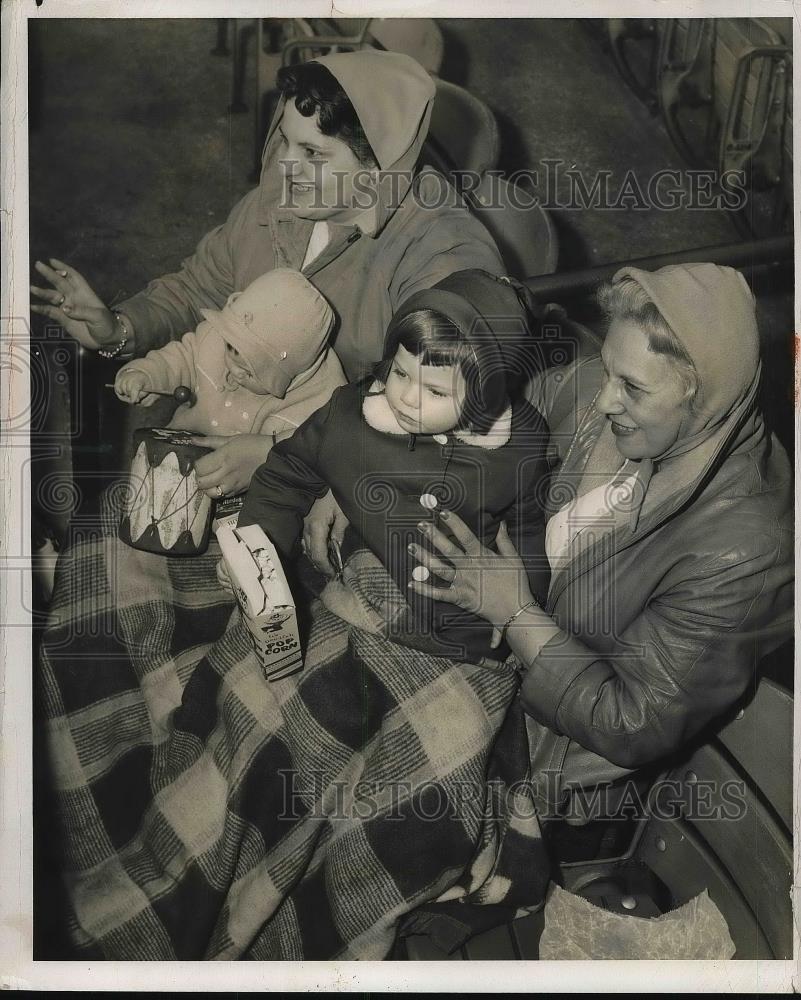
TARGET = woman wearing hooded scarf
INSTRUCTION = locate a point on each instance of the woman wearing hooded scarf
(339, 198)
(669, 536)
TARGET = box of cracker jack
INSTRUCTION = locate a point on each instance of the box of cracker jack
(264, 598)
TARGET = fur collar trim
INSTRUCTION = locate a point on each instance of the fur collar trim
(378, 414)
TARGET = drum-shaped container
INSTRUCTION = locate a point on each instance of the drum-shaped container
(165, 511)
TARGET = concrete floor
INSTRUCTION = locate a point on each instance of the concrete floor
(560, 97)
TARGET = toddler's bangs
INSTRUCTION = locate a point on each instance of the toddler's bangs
(432, 338)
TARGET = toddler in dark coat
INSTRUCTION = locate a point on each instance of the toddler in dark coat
(440, 426)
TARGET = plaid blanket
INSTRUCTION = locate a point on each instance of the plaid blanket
(207, 813)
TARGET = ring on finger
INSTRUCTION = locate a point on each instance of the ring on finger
(220, 491)
(61, 300)
(431, 564)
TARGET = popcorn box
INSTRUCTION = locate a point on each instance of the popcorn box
(263, 596)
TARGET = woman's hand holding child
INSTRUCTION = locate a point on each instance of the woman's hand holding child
(491, 584)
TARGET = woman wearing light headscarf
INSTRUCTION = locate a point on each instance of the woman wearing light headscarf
(670, 533)
(339, 198)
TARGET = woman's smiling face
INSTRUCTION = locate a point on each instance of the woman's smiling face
(643, 396)
(319, 171)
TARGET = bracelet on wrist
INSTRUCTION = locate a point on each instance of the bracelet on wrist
(118, 348)
(533, 603)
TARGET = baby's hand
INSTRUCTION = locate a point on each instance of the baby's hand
(223, 578)
(132, 386)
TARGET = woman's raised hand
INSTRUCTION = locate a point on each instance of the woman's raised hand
(72, 304)
(491, 584)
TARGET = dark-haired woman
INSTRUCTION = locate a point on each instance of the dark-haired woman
(339, 198)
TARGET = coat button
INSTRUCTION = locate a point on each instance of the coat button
(228, 402)
(429, 501)
(245, 415)
(214, 423)
(441, 438)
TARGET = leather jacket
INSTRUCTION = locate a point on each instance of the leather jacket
(663, 625)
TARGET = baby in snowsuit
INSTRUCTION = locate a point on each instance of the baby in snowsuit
(261, 365)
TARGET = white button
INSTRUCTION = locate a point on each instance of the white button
(441, 438)
(228, 402)
(245, 415)
(420, 573)
(429, 501)
(214, 423)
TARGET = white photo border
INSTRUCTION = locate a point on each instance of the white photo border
(17, 968)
